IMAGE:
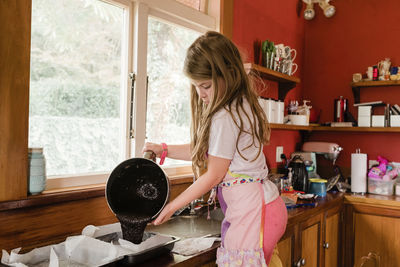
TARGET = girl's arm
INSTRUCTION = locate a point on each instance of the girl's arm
(216, 171)
(181, 152)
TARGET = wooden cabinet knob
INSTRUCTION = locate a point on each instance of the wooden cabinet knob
(325, 245)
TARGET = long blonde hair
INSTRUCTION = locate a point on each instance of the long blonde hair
(213, 56)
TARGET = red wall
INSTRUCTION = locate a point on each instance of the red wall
(276, 21)
(359, 35)
(329, 51)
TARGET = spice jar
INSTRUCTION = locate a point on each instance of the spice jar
(36, 171)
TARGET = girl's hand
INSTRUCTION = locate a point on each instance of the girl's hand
(156, 148)
(165, 214)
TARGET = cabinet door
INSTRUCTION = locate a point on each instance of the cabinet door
(379, 235)
(310, 235)
(331, 244)
(286, 246)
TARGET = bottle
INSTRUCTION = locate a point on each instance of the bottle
(340, 108)
(36, 171)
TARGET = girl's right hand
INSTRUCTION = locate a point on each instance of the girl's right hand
(156, 148)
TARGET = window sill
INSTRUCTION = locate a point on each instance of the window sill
(60, 195)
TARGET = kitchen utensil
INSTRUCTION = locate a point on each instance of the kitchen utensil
(138, 186)
(317, 186)
(139, 256)
(300, 174)
(313, 204)
(332, 182)
(136, 192)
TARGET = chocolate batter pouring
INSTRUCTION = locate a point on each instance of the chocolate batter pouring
(136, 192)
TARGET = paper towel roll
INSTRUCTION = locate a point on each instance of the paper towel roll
(359, 173)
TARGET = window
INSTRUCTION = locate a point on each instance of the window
(75, 85)
(82, 52)
(168, 97)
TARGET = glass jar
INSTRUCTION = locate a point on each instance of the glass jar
(36, 171)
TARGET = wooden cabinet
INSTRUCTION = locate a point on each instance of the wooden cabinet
(333, 236)
(286, 246)
(310, 242)
(372, 228)
(314, 241)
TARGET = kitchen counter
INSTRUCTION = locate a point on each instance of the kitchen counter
(196, 227)
(373, 200)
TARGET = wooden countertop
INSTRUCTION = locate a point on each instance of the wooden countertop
(294, 216)
(373, 200)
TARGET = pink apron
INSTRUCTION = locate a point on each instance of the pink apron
(243, 229)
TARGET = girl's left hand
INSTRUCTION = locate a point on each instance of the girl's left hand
(165, 214)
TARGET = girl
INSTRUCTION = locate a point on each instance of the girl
(228, 131)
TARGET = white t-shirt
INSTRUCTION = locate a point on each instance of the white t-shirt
(222, 143)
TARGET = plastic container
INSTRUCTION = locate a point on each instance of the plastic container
(397, 186)
(298, 120)
(380, 187)
(317, 187)
(37, 171)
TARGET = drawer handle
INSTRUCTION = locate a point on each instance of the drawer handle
(300, 263)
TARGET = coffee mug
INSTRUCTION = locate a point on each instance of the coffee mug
(291, 71)
(290, 53)
(369, 73)
(280, 50)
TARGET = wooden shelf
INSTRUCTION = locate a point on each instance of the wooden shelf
(290, 127)
(335, 129)
(285, 82)
(356, 87)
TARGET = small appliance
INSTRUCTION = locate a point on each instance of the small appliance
(299, 174)
(310, 161)
(331, 152)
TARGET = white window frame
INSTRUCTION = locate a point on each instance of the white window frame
(134, 50)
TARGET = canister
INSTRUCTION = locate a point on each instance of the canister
(269, 109)
(279, 111)
(317, 186)
(36, 171)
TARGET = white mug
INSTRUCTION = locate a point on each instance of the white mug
(369, 73)
(280, 50)
(291, 71)
(290, 53)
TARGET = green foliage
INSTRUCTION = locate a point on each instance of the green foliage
(76, 58)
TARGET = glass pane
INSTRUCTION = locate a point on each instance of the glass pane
(168, 103)
(75, 85)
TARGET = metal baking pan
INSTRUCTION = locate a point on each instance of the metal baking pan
(142, 256)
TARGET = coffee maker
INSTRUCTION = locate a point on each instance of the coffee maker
(310, 162)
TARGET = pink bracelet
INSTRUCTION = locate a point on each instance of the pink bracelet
(164, 153)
